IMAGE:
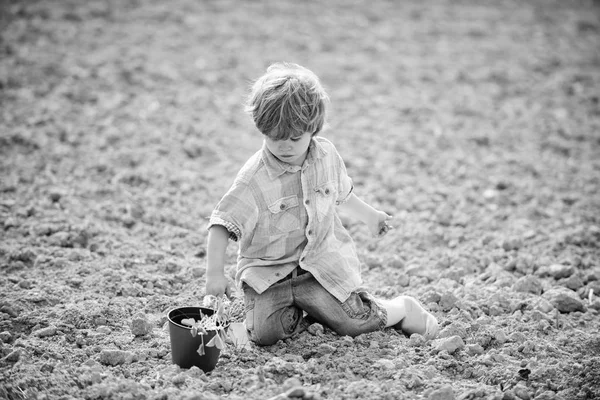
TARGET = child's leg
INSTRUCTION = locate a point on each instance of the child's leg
(271, 315)
(405, 313)
(359, 314)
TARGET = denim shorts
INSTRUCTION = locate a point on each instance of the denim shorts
(279, 312)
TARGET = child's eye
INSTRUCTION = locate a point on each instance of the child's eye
(296, 139)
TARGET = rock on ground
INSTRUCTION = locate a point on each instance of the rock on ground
(565, 300)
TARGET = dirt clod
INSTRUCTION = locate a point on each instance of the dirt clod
(115, 357)
(140, 325)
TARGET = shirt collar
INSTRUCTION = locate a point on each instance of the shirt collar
(276, 168)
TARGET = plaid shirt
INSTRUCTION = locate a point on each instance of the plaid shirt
(284, 216)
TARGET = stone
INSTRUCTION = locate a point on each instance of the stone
(509, 395)
(474, 349)
(25, 284)
(527, 348)
(447, 301)
(512, 244)
(547, 395)
(417, 270)
(140, 326)
(195, 372)
(280, 396)
(11, 223)
(592, 276)
(483, 338)
(574, 282)
(500, 301)
(5, 336)
(55, 195)
(565, 300)
(179, 379)
(557, 271)
(115, 357)
(45, 332)
(295, 392)
(537, 316)
(414, 381)
(416, 340)
(593, 285)
(543, 305)
(449, 345)
(396, 262)
(500, 337)
(443, 393)
(524, 265)
(521, 392)
(385, 364)
(325, 348)
(10, 310)
(403, 280)
(13, 356)
(316, 329)
(347, 341)
(103, 330)
(528, 284)
(60, 239)
(431, 297)
(173, 266)
(543, 326)
(291, 383)
(454, 329)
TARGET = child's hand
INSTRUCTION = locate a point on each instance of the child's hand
(217, 285)
(379, 226)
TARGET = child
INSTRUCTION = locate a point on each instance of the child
(294, 254)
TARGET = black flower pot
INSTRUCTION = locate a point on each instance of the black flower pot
(184, 346)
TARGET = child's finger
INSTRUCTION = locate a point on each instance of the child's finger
(384, 228)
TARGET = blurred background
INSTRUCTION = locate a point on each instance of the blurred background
(482, 114)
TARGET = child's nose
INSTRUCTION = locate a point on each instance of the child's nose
(285, 145)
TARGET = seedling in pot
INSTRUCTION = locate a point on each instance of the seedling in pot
(219, 321)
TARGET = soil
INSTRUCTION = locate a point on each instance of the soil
(476, 124)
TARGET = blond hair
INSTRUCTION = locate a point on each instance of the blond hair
(287, 101)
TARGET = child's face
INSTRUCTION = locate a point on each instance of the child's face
(292, 150)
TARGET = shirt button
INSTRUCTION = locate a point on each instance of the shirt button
(310, 232)
(302, 259)
(307, 202)
(282, 207)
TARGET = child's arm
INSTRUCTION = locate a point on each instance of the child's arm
(216, 282)
(374, 219)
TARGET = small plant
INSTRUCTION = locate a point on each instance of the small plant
(218, 322)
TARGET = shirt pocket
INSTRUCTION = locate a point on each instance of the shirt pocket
(284, 215)
(326, 195)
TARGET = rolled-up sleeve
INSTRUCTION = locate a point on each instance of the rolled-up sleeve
(236, 211)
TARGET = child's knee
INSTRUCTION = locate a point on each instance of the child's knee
(278, 326)
(264, 337)
(265, 340)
